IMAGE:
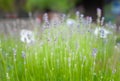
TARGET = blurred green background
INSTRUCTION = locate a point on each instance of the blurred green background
(21, 8)
(33, 5)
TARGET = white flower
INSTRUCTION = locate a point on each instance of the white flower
(70, 22)
(101, 32)
(27, 36)
(99, 12)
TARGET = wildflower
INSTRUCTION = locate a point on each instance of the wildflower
(90, 20)
(14, 53)
(27, 36)
(101, 32)
(23, 54)
(45, 18)
(70, 22)
(63, 17)
(104, 33)
(94, 52)
(77, 15)
(114, 71)
(81, 16)
(99, 12)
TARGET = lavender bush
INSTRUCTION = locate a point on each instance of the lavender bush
(69, 50)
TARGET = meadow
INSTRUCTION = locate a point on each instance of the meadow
(69, 50)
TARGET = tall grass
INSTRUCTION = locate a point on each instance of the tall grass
(60, 53)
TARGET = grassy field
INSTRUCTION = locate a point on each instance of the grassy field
(61, 53)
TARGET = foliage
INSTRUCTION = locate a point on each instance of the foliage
(7, 5)
(55, 5)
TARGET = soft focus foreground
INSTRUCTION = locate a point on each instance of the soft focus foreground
(63, 50)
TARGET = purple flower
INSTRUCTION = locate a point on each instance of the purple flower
(94, 52)
(23, 54)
